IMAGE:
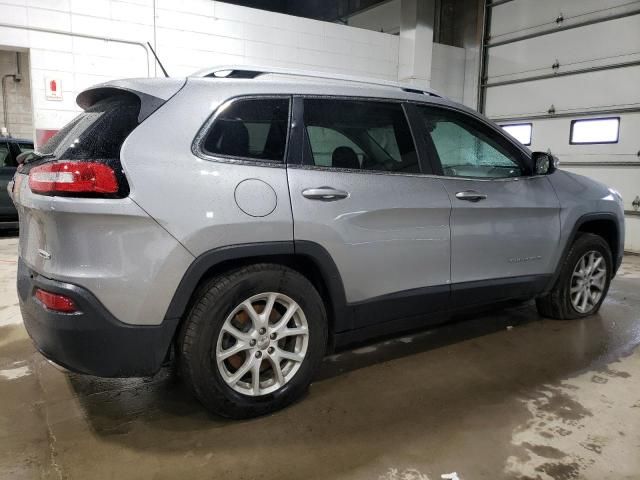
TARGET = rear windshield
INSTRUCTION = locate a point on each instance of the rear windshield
(98, 132)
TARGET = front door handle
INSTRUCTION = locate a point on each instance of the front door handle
(470, 196)
(326, 194)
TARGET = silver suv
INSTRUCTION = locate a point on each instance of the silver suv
(252, 220)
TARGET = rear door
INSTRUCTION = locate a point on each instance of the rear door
(505, 222)
(358, 191)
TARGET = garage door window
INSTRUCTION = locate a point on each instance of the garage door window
(595, 130)
(251, 128)
(520, 131)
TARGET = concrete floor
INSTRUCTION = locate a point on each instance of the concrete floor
(505, 395)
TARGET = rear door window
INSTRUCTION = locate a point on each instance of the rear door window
(359, 135)
(25, 147)
(254, 128)
(6, 159)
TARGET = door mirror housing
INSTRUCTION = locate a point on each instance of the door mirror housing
(544, 163)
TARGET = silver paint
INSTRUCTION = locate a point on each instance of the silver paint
(392, 232)
(255, 197)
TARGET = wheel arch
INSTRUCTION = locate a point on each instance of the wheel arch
(307, 258)
(603, 224)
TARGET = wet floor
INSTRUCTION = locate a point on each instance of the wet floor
(503, 395)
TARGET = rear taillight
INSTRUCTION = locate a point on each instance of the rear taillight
(67, 178)
(55, 302)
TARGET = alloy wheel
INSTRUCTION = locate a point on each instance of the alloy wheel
(262, 344)
(588, 281)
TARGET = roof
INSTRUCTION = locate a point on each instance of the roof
(254, 72)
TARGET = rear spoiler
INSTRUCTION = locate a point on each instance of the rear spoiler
(152, 93)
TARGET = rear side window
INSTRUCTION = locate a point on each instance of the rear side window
(6, 159)
(359, 135)
(25, 147)
(98, 132)
(253, 128)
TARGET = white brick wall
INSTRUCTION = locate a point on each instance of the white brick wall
(19, 117)
(188, 35)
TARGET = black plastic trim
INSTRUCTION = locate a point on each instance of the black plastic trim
(342, 313)
(422, 302)
(203, 263)
(91, 341)
(394, 306)
(617, 255)
(430, 306)
(388, 328)
(427, 155)
(297, 143)
(483, 292)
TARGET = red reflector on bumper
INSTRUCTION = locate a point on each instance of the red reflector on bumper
(56, 302)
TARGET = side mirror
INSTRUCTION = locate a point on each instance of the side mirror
(544, 163)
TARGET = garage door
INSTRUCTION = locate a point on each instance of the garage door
(566, 73)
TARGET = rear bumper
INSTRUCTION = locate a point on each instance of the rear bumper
(91, 341)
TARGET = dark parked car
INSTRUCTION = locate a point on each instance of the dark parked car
(10, 148)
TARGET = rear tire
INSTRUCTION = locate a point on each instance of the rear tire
(275, 320)
(583, 282)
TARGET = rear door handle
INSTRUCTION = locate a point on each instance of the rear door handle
(326, 194)
(470, 196)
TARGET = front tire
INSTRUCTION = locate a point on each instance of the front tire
(583, 282)
(253, 340)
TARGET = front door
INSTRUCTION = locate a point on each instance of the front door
(505, 222)
(360, 194)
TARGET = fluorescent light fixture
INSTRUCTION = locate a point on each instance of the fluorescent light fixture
(520, 131)
(595, 130)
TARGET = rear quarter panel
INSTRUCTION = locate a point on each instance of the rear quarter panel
(109, 246)
(193, 198)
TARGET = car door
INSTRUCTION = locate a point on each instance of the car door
(7, 170)
(505, 222)
(358, 192)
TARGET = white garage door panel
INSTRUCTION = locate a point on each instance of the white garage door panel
(592, 34)
(554, 134)
(597, 90)
(521, 15)
(613, 41)
(632, 237)
(625, 180)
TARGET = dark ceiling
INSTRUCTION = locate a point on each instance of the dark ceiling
(328, 10)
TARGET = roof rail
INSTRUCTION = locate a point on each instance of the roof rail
(252, 71)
